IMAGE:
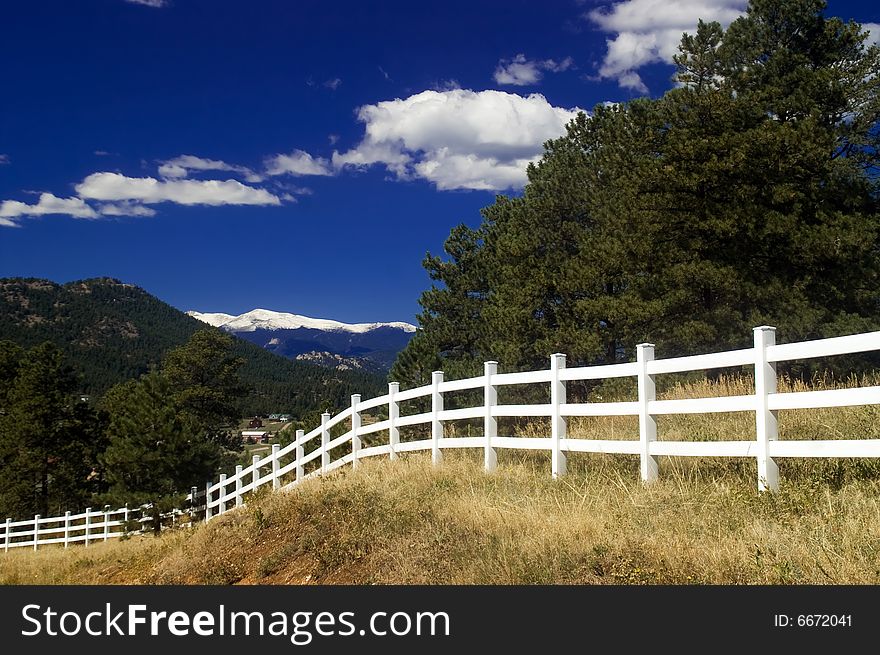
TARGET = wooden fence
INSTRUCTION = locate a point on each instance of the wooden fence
(286, 466)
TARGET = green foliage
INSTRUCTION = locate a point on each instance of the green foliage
(167, 428)
(49, 441)
(203, 376)
(747, 195)
(110, 332)
(167, 431)
(157, 449)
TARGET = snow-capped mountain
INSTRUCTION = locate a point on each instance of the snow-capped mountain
(291, 335)
(264, 319)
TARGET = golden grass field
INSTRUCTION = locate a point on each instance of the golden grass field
(702, 522)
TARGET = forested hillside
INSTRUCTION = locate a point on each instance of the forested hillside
(110, 332)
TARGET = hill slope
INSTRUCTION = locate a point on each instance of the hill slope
(111, 331)
(406, 522)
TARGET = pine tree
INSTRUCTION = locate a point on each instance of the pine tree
(48, 440)
(746, 195)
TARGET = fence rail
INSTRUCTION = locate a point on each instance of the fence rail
(286, 467)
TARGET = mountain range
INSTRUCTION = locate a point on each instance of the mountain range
(369, 346)
(111, 331)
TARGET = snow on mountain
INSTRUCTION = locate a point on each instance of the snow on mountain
(212, 319)
(264, 319)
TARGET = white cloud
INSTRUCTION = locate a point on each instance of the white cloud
(125, 208)
(298, 162)
(649, 31)
(181, 165)
(4, 159)
(457, 139)
(115, 187)
(47, 204)
(150, 3)
(333, 84)
(520, 71)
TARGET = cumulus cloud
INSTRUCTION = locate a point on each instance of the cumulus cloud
(457, 139)
(125, 208)
(47, 204)
(113, 194)
(298, 162)
(520, 71)
(181, 165)
(649, 31)
(116, 187)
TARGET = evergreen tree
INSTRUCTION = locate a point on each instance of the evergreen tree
(48, 440)
(204, 382)
(156, 452)
(167, 429)
(748, 194)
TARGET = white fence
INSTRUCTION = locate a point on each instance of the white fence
(285, 467)
(86, 528)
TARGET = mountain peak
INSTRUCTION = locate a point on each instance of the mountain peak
(266, 319)
(331, 343)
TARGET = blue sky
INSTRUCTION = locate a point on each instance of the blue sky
(297, 156)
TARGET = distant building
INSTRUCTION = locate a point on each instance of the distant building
(285, 417)
(255, 423)
(255, 436)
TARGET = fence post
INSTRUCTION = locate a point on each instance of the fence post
(67, 529)
(222, 494)
(255, 472)
(276, 465)
(8, 538)
(125, 518)
(765, 419)
(300, 453)
(647, 423)
(325, 439)
(436, 423)
(207, 501)
(355, 426)
(106, 522)
(490, 423)
(238, 500)
(88, 524)
(558, 424)
(393, 415)
(36, 530)
(193, 496)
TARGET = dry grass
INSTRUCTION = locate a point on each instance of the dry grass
(703, 522)
(406, 522)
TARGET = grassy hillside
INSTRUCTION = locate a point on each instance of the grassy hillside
(111, 331)
(405, 522)
(703, 522)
